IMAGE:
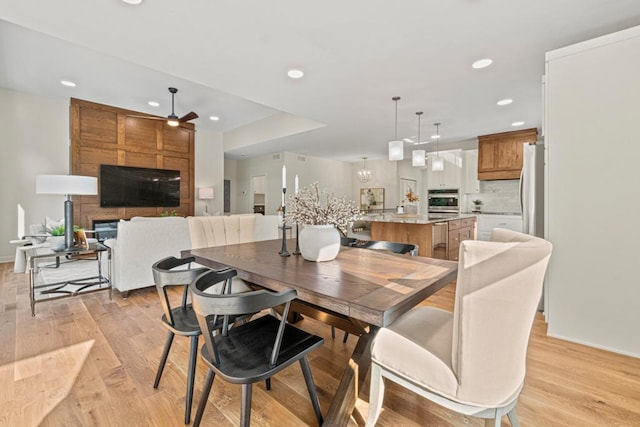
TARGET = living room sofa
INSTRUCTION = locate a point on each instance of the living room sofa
(142, 241)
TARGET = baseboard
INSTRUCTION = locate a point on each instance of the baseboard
(590, 344)
(6, 259)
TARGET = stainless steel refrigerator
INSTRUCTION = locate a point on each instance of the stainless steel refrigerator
(532, 189)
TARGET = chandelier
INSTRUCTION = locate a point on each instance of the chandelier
(364, 174)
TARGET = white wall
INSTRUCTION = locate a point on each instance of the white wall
(209, 169)
(34, 141)
(593, 141)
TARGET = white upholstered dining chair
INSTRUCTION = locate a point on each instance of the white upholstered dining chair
(471, 361)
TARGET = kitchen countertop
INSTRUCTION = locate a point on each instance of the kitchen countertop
(416, 219)
(494, 213)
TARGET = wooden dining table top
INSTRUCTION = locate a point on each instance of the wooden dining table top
(373, 287)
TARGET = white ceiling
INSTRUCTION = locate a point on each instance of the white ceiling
(230, 58)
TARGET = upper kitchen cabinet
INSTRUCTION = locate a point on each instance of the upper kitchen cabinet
(500, 154)
(450, 176)
(470, 183)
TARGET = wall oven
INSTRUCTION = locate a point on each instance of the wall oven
(444, 201)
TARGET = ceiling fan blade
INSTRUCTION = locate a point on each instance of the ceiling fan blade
(189, 116)
(147, 117)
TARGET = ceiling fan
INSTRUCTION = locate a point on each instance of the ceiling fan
(172, 119)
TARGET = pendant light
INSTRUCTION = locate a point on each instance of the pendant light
(364, 174)
(418, 156)
(438, 163)
(396, 150)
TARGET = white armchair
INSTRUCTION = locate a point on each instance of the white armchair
(471, 361)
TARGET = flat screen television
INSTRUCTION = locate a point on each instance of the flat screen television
(128, 187)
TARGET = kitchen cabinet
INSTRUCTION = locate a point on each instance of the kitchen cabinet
(459, 230)
(451, 176)
(487, 222)
(500, 154)
(470, 182)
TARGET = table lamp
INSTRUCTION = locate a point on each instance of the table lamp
(67, 185)
(205, 193)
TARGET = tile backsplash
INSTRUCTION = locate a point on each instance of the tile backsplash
(496, 196)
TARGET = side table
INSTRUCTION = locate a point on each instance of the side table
(39, 288)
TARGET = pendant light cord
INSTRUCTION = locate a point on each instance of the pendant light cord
(396, 99)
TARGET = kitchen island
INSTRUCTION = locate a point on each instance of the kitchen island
(437, 236)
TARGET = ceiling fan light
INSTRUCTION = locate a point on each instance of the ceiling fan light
(396, 151)
(417, 158)
(173, 122)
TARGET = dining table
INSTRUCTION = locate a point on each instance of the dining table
(360, 291)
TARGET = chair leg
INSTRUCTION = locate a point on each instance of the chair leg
(333, 332)
(267, 383)
(245, 415)
(311, 387)
(163, 360)
(344, 339)
(208, 382)
(193, 353)
(376, 395)
(513, 417)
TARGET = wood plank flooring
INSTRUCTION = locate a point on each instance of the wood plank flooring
(91, 361)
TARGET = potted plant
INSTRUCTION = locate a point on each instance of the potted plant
(324, 217)
(477, 204)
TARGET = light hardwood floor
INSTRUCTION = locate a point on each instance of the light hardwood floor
(90, 361)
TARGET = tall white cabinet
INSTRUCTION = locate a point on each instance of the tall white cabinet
(450, 176)
(592, 106)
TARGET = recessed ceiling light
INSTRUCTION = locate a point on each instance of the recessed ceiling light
(482, 63)
(409, 140)
(517, 123)
(435, 136)
(154, 103)
(504, 102)
(214, 118)
(67, 83)
(295, 74)
(132, 1)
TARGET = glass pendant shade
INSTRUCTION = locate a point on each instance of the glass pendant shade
(437, 164)
(396, 150)
(417, 158)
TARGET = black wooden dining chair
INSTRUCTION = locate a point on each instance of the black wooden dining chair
(251, 352)
(179, 320)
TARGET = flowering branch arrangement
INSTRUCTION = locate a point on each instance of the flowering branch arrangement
(411, 197)
(310, 206)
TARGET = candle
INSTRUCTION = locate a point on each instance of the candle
(284, 177)
(296, 184)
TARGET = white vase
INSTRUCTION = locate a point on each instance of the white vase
(319, 242)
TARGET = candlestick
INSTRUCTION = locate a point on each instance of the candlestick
(297, 250)
(284, 251)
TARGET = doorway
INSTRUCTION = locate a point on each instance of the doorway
(258, 193)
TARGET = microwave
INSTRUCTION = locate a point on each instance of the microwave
(444, 201)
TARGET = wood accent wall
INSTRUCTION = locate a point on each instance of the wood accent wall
(101, 134)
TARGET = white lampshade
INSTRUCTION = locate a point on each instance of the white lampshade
(417, 158)
(437, 164)
(66, 184)
(396, 150)
(205, 193)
